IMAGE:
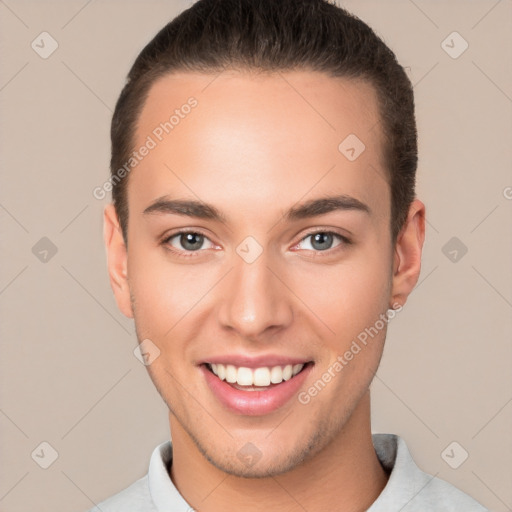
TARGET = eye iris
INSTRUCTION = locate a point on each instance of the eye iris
(320, 238)
(191, 241)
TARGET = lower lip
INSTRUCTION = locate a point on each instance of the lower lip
(255, 403)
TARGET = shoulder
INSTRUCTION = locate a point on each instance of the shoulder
(140, 496)
(409, 489)
(135, 498)
(439, 495)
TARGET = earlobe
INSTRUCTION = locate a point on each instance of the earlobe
(407, 255)
(117, 260)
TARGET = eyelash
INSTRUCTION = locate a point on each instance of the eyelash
(190, 254)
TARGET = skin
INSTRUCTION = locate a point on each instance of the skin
(255, 146)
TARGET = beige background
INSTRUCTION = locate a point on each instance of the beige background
(68, 373)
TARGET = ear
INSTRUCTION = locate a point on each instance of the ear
(407, 258)
(117, 260)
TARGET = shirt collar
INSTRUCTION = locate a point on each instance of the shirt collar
(405, 481)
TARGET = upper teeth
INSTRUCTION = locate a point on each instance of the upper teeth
(255, 376)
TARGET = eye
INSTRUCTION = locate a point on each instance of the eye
(322, 241)
(187, 241)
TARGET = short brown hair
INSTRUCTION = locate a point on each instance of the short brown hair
(275, 35)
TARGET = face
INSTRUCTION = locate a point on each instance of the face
(259, 252)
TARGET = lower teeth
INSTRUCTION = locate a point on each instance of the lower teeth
(251, 388)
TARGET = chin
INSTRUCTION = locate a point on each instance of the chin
(263, 468)
(250, 462)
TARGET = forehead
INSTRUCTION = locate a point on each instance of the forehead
(243, 138)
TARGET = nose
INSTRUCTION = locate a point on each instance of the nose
(254, 299)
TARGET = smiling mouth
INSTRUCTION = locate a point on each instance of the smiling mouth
(255, 379)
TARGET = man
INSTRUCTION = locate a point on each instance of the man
(264, 222)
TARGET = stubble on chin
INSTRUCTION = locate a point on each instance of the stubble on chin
(267, 467)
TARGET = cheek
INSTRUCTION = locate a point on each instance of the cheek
(346, 297)
(157, 296)
(166, 294)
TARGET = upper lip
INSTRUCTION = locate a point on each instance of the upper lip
(269, 360)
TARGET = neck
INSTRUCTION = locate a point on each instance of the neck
(347, 473)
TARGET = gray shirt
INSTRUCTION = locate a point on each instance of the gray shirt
(408, 489)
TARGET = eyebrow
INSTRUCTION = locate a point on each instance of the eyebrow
(311, 208)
